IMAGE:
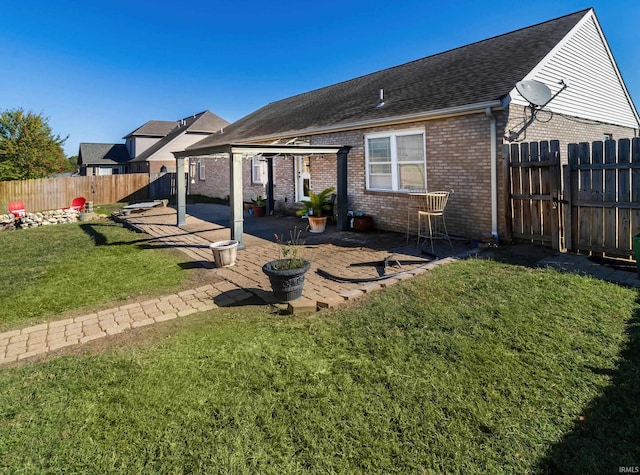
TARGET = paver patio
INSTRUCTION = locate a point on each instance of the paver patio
(346, 254)
(230, 286)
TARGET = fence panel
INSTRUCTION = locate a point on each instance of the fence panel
(605, 196)
(534, 175)
(53, 193)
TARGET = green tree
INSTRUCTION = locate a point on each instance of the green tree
(28, 147)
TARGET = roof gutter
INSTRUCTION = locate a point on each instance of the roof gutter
(479, 107)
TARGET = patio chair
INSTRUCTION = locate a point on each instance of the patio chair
(17, 209)
(432, 211)
(77, 204)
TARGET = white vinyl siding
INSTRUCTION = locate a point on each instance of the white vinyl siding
(596, 90)
(396, 161)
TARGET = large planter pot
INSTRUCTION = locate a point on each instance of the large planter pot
(259, 211)
(286, 284)
(362, 223)
(317, 224)
(224, 252)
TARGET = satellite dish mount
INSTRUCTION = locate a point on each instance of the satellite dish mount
(538, 95)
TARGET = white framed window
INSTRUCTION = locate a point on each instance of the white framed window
(201, 170)
(396, 161)
(258, 169)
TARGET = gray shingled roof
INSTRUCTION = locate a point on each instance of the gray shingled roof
(102, 154)
(153, 128)
(480, 72)
(205, 123)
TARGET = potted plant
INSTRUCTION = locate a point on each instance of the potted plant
(259, 206)
(315, 208)
(286, 274)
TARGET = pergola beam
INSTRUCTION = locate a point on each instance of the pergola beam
(235, 153)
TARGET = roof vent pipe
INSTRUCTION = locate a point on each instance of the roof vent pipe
(381, 99)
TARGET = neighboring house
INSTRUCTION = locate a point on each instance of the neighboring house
(437, 123)
(148, 148)
(103, 159)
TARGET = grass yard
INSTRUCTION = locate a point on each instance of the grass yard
(477, 367)
(50, 270)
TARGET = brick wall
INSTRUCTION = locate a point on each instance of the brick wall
(566, 129)
(216, 182)
(458, 154)
(458, 157)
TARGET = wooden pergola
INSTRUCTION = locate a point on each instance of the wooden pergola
(236, 152)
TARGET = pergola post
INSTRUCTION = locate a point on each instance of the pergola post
(181, 192)
(235, 198)
(341, 189)
(270, 199)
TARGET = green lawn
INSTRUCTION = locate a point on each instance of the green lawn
(49, 270)
(477, 367)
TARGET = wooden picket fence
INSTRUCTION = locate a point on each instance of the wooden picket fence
(53, 193)
(591, 203)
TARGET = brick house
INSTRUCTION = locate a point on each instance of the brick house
(148, 148)
(437, 123)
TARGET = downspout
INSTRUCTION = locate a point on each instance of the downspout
(494, 172)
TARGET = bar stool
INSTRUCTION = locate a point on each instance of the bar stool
(433, 228)
(414, 203)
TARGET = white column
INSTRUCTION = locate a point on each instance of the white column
(181, 192)
(235, 198)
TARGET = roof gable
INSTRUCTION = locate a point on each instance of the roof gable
(202, 123)
(462, 76)
(596, 89)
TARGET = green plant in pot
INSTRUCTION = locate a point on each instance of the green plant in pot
(286, 274)
(259, 206)
(316, 209)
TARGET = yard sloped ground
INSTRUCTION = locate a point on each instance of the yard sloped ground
(50, 270)
(476, 367)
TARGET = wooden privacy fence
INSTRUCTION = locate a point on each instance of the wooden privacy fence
(589, 204)
(53, 193)
(533, 179)
(602, 196)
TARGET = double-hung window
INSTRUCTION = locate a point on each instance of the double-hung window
(396, 161)
(258, 169)
(201, 175)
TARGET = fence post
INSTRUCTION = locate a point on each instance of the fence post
(506, 177)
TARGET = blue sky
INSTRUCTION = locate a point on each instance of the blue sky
(99, 70)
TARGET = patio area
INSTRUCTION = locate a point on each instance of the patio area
(357, 258)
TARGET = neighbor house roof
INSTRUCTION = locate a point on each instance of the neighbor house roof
(482, 72)
(202, 123)
(102, 154)
(153, 128)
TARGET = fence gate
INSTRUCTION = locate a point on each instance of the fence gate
(602, 196)
(599, 195)
(532, 181)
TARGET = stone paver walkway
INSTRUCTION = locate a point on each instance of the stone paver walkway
(231, 286)
(349, 257)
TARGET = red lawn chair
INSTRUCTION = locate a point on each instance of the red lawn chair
(17, 209)
(77, 204)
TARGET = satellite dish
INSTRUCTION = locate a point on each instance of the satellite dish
(536, 92)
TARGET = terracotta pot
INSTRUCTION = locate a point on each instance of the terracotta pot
(317, 224)
(259, 211)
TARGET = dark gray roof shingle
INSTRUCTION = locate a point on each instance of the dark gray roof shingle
(102, 154)
(472, 74)
(153, 128)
